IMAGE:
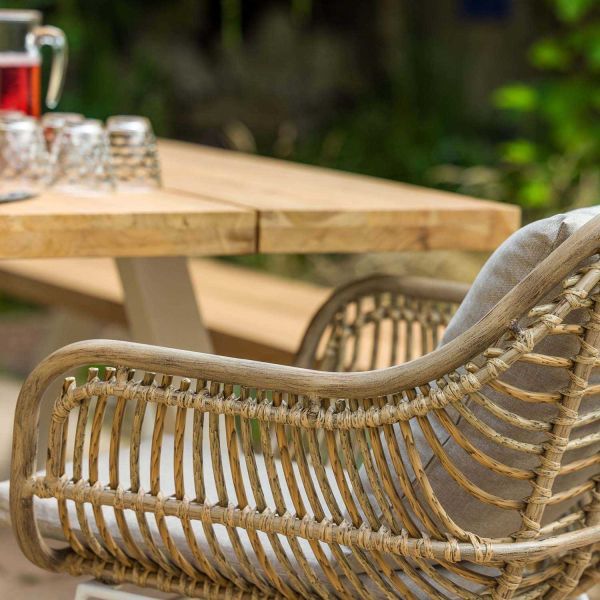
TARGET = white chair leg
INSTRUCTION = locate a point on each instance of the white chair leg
(95, 590)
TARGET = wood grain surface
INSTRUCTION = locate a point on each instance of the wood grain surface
(310, 209)
(219, 202)
(156, 223)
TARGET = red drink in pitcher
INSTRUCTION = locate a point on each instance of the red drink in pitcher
(20, 83)
(21, 36)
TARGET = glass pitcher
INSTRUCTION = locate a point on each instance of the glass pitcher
(21, 37)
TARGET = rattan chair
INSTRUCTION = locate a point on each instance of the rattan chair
(266, 481)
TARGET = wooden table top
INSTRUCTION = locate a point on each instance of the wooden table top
(304, 208)
(157, 223)
(218, 202)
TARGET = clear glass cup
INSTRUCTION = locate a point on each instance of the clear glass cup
(134, 155)
(54, 122)
(11, 115)
(24, 160)
(80, 159)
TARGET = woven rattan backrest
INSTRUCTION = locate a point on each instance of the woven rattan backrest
(267, 481)
(379, 321)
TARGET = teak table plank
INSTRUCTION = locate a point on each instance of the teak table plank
(310, 209)
(219, 202)
(157, 223)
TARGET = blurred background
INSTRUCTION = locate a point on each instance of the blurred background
(494, 98)
(498, 99)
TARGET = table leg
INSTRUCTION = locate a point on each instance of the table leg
(160, 303)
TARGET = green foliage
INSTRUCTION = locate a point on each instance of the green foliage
(548, 53)
(572, 11)
(517, 96)
(231, 14)
(555, 163)
(548, 157)
(14, 306)
(391, 136)
(519, 152)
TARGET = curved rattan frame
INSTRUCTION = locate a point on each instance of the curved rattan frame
(418, 288)
(295, 401)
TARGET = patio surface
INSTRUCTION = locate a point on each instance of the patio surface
(19, 579)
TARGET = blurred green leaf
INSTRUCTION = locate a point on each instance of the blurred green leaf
(573, 10)
(592, 54)
(585, 41)
(535, 193)
(549, 54)
(595, 99)
(302, 10)
(518, 97)
(519, 152)
(555, 121)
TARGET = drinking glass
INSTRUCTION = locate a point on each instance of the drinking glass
(54, 122)
(134, 155)
(81, 159)
(24, 160)
(11, 115)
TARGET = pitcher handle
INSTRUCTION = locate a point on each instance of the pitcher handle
(46, 35)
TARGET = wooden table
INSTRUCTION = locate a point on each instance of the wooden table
(218, 202)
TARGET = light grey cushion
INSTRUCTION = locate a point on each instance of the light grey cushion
(512, 261)
(515, 259)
